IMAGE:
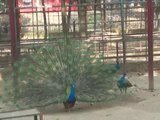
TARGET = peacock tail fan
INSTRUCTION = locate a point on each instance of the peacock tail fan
(96, 83)
(43, 76)
(37, 86)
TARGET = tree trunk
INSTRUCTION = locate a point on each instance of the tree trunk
(45, 20)
(82, 18)
(64, 23)
(95, 18)
(157, 13)
(69, 15)
(104, 15)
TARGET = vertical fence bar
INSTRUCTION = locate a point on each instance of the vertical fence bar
(15, 43)
(12, 13)
(12, 21)
(64, 22)
(95, 15)
(123, 36)
(74, 28)
(150, 44)
(146, 41)
(18, 27)
(117, 52)
(104, 15)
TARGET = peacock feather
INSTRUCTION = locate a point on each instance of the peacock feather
(61, 73)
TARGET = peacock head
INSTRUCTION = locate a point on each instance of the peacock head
(72, 86)
(118, 66)
(123, 78)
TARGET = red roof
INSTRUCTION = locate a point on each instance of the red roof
(50, 5)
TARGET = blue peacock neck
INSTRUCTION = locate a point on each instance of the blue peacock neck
(123, 78)
(71, 95)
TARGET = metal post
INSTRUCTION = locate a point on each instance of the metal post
(104, 15)
(12, 21)
(74, 28)
(123, 36)
(14, 44)
(35, 117)
(117, 52)
(41, 116)
(150, 44)
(95, 17)
(64, 23)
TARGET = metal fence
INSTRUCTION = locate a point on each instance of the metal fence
(108, 27)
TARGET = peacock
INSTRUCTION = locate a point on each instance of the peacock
(62, 73)
(117, 66)
(70, 102)
(123, 84)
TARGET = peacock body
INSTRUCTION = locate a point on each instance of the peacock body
(123, 84)
(71, 99)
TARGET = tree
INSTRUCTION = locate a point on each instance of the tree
(157, 13)
(45, 19)
(69, 14)
(82, 18)
(3, 6)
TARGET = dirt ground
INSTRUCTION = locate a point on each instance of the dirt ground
(138, 104)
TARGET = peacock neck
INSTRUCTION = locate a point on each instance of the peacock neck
(123, 78)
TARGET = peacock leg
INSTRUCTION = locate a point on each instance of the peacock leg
(67, 110)
(125, 90)
(121, 90)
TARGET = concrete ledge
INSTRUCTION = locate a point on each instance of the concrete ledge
(23, 113)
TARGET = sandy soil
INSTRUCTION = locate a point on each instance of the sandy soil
(139, 104)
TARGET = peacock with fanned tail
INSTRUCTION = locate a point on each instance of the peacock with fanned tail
(61, 73)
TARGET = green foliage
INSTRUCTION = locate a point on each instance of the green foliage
(44, 76)
(3, 5)
(91, 21)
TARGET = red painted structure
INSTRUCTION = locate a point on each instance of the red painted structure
(150, 43)
(50, 5)
(20, 6)
(12, 21)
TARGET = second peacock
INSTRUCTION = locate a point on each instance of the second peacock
(123, 84)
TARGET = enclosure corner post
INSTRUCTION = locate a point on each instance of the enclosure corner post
(12, 21)
(150, 44)
(14, 48)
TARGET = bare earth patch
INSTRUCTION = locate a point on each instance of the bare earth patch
(139, 104)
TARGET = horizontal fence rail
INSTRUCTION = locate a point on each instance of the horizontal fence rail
(103, 29)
